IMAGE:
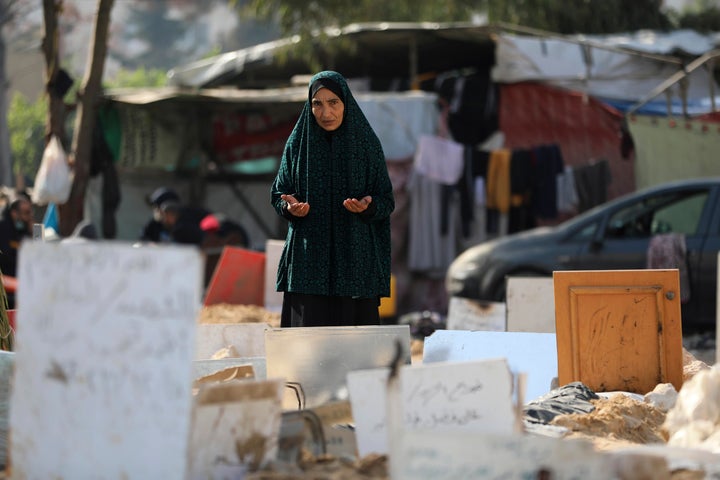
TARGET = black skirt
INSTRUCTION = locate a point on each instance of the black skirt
(301, 310)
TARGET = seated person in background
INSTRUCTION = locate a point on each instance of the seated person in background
(180, 224)
(220, 230)
(155, 230)
(15, 226)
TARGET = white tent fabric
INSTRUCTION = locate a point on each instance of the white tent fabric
(688, 42)
(399, 119)
(592, 68)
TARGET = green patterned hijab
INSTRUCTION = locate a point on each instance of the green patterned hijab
(332, 251)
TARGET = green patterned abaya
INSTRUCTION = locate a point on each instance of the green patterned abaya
(333, 252)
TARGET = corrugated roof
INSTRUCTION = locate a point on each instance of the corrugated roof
(389, 52)
(147, 96)
(383, 52)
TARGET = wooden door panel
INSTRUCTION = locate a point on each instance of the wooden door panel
(618, 329)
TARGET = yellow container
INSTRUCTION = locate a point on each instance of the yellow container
(387, 304)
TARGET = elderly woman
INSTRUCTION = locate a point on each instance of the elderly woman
(333, 188)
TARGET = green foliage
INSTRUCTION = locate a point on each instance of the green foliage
(580, 16)
(702, 21)
(26, 122)
(561, 16)
(141, 77)
(298, 16)
(310, 19)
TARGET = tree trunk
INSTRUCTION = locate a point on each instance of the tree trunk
(55, 124)
(6, 177)
(71, 213)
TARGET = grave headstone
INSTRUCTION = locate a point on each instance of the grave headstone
(247, 339)
(102, 383)
(619, 329)
(467, 314)
(534, 354)
(238, 278)
(423, 455)
(318, 359)
(530, 304)
(273, 298)
(235, 428)
(471, 396)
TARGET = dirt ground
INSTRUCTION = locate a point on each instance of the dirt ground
(226, 313)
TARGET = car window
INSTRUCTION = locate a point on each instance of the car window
(584, 234)
(677, 212)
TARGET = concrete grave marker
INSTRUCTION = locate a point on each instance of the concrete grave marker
(201, 368)
(530, 304)
(532, 353)
(423, 455)
(619, 329)
(102, 384)
(273, 298)
(319, 358)
(717, 315)
(473, 396)
(368, 390)
(443, 397)
(248, 339)
(238, 278)
(235, 428)
(466, 314)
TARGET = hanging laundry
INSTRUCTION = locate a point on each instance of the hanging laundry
(592, 181)
(429, 251)
(439, 159)
(498, 180)
(548, 164)
(668, 250)
(567, 197)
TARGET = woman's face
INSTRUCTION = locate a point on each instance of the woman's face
(328, 109)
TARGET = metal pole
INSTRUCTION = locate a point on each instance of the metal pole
(38, 231)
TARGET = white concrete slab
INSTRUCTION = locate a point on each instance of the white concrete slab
(273, 298)
(466, 314)
(7, 367)
(102, 384)
(319, 358)
(471, 396)
(530, 304)
(235, 428)
(717, 316)
(474, 396)
(424, 455)
(368, 392)
(532, 353)
(248, 339)
(201, 368)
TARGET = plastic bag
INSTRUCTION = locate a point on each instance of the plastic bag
(53, 180)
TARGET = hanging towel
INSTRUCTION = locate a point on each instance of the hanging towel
(439, 159)
(498, 180)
